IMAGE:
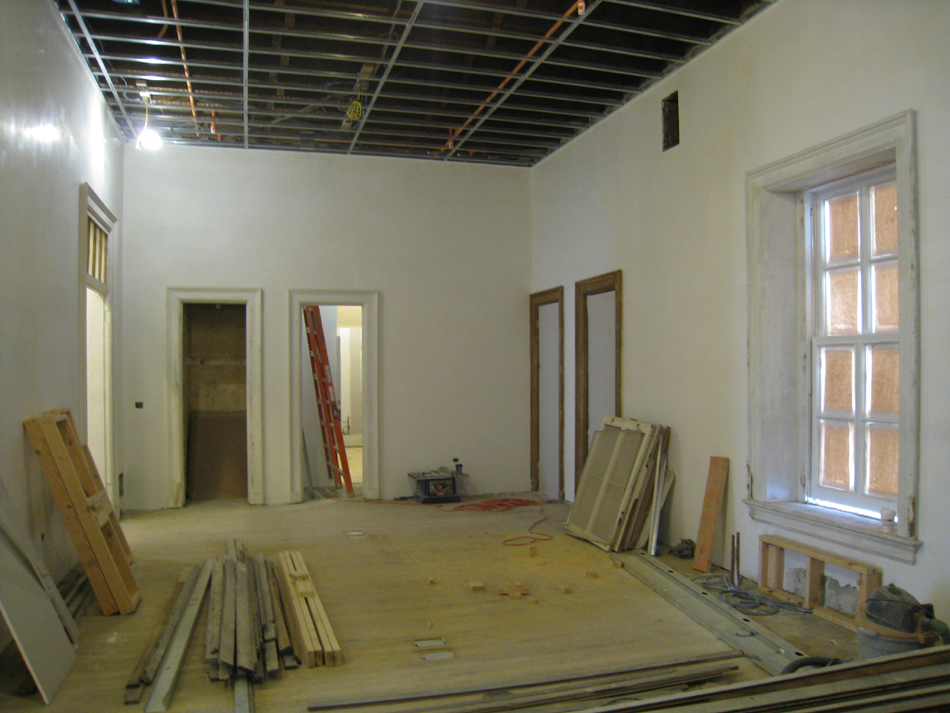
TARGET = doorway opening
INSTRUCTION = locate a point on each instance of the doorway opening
(99, 385)
(598, 319)
(343, 336)
(215, 401)
(547, 393)
(97, 254)
(350, 323)
(217, 394)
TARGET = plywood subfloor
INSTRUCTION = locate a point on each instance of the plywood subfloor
(371, 564)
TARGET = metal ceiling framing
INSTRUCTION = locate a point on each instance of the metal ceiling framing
(486, 81)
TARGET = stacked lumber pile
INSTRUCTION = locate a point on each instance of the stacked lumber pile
(241, 636)
(547, 694)
(912, 681)
(623, 486)
(262, 617)
(313, 637)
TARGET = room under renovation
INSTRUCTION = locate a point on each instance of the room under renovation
(470, 356)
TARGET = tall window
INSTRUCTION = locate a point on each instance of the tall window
(855, 348)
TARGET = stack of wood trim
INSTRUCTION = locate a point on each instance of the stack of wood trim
(86, 510)
(913, 681)
(546, 693)
(241, 637)
(314, 641)
(615, 499)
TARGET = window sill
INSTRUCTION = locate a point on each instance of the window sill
(853, 531)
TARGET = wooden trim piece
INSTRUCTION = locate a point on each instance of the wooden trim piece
(227, 649)
(168, 628)
(213, 627)
(608, 282)
(161, 694)
(485, 693)
(135, 685)
(555, 296)
(712, 506)
(284, 645)
(577, 693)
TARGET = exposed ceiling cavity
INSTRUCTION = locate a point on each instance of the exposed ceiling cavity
(485, 81)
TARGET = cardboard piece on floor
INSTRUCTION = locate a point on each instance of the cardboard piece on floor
(34, 623)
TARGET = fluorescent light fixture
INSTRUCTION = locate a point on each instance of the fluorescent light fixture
(150, 140)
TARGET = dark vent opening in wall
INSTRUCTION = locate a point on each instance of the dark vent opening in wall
(671, 121)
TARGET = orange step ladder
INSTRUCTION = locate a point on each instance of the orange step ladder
(328, 408)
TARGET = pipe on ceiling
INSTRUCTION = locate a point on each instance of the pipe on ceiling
(511, 75)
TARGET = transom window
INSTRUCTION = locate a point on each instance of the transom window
(855, 347)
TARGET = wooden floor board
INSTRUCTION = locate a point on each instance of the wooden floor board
(372, 564)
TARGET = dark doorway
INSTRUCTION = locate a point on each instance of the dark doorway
(215, 399)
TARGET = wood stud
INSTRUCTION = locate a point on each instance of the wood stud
(86, 510)
(772, 576)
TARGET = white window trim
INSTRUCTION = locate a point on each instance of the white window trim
(779, 359)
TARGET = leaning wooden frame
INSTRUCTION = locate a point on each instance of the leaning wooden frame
(615, 493)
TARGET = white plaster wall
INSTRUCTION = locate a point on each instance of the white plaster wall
(43, 82)
(446, 246)
(800, 73)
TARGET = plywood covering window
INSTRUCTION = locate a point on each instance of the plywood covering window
(855, 355)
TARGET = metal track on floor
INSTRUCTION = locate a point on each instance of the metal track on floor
(760, 645)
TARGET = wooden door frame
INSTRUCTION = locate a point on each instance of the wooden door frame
(608, 282)
(369, 301)
(555, 295)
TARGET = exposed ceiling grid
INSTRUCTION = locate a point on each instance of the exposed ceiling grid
(486, 81)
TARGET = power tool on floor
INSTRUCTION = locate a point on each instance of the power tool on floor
(892, 621)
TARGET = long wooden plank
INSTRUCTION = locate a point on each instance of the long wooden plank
(588, 679)
(243, 695)
(854, 675)
(284, 645)
(215, 606)
(168, 628)
(332, 654)
(588, 692)
(268, 630)
(227, 648)
(97, 579)
(296, 620)
(163, 689)
(34, 623)
(134, 686)
(94, 471)
(244, 635)
(712, 506)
